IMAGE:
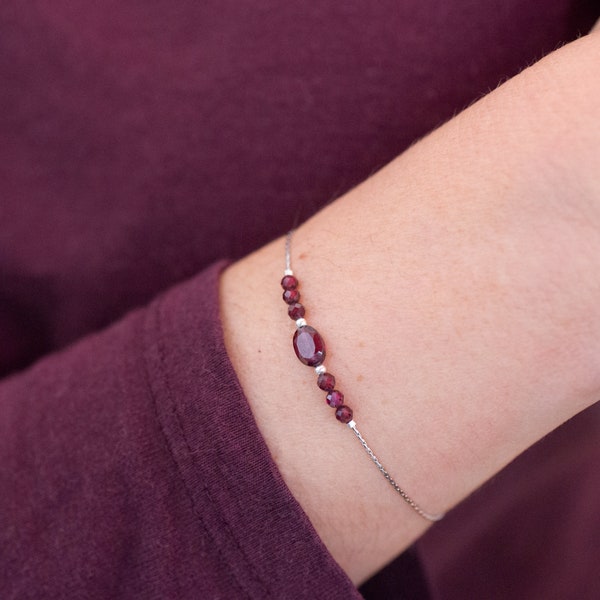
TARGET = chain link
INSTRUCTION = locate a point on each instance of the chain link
(390, 479)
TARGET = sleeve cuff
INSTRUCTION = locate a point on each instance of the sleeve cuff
(240, 500)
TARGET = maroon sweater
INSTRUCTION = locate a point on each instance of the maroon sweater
(142, 142)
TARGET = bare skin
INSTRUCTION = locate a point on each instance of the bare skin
(458, 293)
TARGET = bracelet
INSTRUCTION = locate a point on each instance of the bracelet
(310, 350)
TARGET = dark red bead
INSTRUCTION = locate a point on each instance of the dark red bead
(289, 282)
(326, 381)
(296, 311)
(335, 399)
(309, 346)
(291, 296)
(344, 414)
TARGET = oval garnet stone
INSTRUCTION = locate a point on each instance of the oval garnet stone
(309, 346)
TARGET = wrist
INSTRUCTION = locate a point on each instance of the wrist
(456, 332)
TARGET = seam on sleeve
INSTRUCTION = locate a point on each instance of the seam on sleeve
(173, 409)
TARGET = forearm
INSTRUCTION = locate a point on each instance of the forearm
(457, 292)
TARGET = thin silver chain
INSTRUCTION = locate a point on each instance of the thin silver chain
(288, 251)
(352, 424)
(390, 479)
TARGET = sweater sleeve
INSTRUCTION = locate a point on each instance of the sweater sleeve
(131, 467)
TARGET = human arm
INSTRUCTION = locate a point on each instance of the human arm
(456, 290)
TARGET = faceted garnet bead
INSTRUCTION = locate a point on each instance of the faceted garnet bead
(335, 399)
(291, 296)
(296, 311)
(309, 346)
(326, 381)
(344, 414)
(289, 282)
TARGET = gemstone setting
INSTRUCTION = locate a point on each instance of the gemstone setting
(309, 346)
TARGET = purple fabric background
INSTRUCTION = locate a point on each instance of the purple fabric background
(142, 140)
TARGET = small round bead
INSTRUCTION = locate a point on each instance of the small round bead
(335, 399)
(326, 381)
(291, 296)
(344, 414)
(351, 424)
(288, 272)
(296, 311)
(289, 282)
(320, 369)
(300, 323)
